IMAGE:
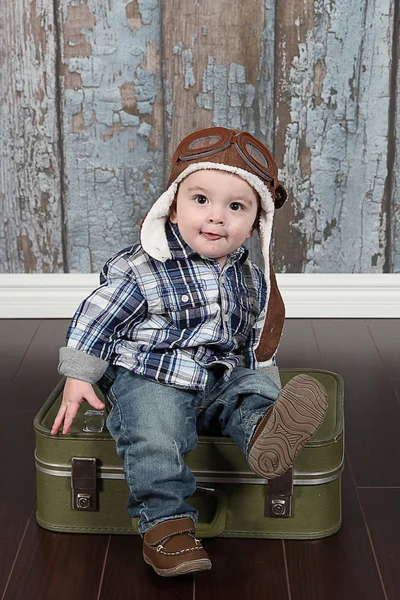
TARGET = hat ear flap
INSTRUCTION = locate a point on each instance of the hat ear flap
(280, 196)
(274, 321)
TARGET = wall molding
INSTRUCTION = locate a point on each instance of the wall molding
(334, 295)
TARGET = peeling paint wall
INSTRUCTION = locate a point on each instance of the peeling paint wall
(112, 124)
(219, 65)
(332, 115)
(30, 206)
(395, 199)
(94, 103)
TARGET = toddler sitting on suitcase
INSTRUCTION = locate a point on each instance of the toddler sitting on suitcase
(181, 335)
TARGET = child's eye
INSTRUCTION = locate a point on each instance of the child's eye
(236, 206)
(200, 199)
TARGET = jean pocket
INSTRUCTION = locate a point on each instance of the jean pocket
(110, 400)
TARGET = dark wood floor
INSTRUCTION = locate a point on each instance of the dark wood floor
(362, 561)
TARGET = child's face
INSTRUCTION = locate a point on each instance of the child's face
(215, 212)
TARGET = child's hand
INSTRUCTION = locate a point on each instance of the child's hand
(75, 392)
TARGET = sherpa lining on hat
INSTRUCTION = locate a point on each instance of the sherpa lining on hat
(152, 233)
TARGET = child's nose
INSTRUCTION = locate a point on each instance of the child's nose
(216, 216)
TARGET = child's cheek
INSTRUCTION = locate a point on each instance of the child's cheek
(238, 230)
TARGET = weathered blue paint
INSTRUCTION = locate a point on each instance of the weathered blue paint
(30, 206)
(335, 160)
(395, 206)
(113, 138)
(220, 65)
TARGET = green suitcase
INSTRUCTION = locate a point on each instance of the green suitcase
(81, 487)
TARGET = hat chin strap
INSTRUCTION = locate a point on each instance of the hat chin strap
(154, 240)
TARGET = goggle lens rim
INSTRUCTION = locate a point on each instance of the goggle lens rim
(241, 140)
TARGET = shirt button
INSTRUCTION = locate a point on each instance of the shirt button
(185, 298)
(226, 318)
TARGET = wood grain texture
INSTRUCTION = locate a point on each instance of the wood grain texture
(219, 64)
(112, 124)
(95, 96)
(298, 347)
(381, 513)
(17, 335)
(74, 573)
(8, 368)
(54, 566)
(341, 566)
(245, 569)
(37, 374)
(372, 413)
(386, 335)
(18, 489)
(395, 148)
(332, 89)
(346, 344)
(372, 410)
(30, 206)
(136, 580)
(396, 387)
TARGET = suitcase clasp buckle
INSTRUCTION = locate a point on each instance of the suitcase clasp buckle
(84, 484)
(278, 502)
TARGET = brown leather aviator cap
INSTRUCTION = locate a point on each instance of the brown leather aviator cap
(230, 147)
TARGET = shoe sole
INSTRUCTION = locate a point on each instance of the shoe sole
(202, 564)
(296, 415)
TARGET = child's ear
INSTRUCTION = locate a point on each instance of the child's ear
(173, 216)
(250, 233)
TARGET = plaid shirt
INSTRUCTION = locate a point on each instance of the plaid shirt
(171, 321)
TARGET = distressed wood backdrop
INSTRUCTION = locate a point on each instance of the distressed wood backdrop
(95, 94)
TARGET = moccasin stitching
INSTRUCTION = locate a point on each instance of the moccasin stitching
(161, 550)
(185, 551)
(168, 537)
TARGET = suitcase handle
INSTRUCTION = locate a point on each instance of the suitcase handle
(218, 523)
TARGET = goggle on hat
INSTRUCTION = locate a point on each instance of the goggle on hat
(230, 147)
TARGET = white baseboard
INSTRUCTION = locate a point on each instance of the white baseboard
(305, 295)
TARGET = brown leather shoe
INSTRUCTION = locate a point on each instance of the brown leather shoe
(172, 549)
(287, 426)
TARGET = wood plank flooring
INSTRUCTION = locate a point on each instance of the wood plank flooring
(362, 561)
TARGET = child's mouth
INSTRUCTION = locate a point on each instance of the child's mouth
(211, 236)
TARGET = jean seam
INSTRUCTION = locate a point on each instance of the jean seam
(115, 406)
(193, 516)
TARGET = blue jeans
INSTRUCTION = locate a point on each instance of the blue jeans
(155, 425)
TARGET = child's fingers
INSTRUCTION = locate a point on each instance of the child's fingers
(69, 408)
(58, 420)
(94, 401)
(70, 415)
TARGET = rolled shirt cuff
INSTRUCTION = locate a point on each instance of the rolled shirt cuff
(80, 365)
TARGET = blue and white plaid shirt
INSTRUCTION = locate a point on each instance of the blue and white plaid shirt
(171, 321)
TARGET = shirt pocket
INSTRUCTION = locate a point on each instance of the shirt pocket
(247, 312)
(183, 304)
(249, 303)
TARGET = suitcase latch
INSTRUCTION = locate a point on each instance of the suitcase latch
(83, 483)
(278, 501)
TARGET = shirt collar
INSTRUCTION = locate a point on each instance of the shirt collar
(180, 249)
